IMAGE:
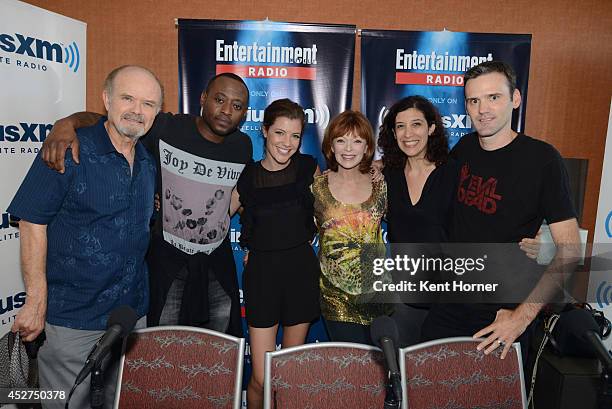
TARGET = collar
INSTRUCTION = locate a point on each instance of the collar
(103, 144)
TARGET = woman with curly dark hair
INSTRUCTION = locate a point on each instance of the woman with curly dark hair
(420, 178)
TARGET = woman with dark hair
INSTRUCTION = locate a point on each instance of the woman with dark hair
(421, 181)
(348, 210)
(281, 271)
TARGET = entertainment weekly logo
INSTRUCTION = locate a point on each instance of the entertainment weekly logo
(434, 68)
(267, 60)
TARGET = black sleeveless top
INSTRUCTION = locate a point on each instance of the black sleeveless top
(278, 205)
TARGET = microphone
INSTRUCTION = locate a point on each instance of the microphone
(577, 333)
(385, 335)
(120, 323)
(600, 349)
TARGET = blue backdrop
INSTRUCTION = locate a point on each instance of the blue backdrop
(396, 64)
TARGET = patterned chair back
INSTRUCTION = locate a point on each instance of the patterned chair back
(325, 375)
(451, 374)
(180, 367)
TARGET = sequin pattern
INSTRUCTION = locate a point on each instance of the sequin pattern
(348, 236)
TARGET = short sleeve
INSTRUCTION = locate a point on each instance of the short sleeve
(42, 192)
(555, 201)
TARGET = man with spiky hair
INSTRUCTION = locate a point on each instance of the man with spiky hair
(527, 183)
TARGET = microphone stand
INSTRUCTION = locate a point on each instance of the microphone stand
(77, 382)
(96, 386)
(392, 401)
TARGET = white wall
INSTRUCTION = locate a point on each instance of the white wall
(42, 78)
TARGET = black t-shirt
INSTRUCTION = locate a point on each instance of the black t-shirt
(278, 205)
(195, 181)
(428, 220)
(503, 195)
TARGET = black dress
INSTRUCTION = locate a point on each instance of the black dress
(281, 278)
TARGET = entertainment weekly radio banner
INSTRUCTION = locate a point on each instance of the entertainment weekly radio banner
(311, 64)
(42, 78)
(396, 64)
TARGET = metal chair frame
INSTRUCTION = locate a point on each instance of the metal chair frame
(239, 364)
(445, 341)
(306, 347)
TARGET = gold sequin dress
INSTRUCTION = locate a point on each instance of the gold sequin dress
(349, 236)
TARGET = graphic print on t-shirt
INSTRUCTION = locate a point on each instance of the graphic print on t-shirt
(474, 191)
(195, 197)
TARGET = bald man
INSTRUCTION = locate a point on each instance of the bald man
(84, 235)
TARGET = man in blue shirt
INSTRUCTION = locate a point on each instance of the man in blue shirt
(84, 233)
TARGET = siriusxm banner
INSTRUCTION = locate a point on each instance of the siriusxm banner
(396, 64)
(42, 78)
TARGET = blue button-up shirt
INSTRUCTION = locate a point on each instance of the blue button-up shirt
(97, 216)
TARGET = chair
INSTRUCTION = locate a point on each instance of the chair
(325, 375)
(180, 367)
(451, 374)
